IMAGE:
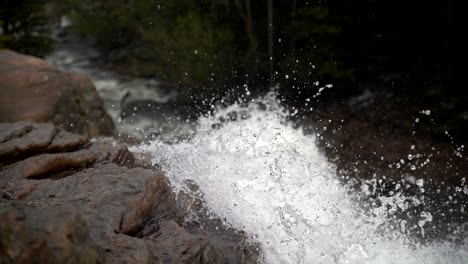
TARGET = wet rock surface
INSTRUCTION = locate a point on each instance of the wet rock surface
(376, 138)
(45, 235)
(381, 150)
(94, 202)
(33, 90)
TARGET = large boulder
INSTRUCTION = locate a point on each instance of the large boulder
(33, 90)
(130, 210)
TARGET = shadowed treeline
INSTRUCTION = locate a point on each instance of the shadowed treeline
(208, 47)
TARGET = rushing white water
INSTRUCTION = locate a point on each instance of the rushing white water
(75, 55)
(269, 179)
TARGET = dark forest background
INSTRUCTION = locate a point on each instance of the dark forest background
(213, 47)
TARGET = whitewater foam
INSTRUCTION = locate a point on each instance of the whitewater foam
(269, 179)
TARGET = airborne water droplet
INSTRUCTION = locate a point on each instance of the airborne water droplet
(254, 169)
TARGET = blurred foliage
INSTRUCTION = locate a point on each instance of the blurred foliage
(214, 45)
(182, 41)
(416, 49)
(314, 53)
(24, 27)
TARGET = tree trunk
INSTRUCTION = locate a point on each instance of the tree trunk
(250, 33)
(5, 27)
(4, 18)
(248, 24)
(270, 41)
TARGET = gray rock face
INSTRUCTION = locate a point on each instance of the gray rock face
(46, 235)
(33, 90)
(128, 213)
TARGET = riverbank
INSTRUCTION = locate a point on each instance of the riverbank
(248, 186)
(379, 140)
(84, 198)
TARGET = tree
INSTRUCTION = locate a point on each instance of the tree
(245, 11)
(270, 40)
(186, 42)
(24, 26)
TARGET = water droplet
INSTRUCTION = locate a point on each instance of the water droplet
(420, 182)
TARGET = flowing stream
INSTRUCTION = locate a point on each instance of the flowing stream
(267, 178)
(135, 104)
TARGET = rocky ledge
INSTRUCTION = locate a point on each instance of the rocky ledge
(66, 199)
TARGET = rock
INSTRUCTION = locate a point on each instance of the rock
(14, 130)
(5, 195)
(130, 211)
(232, 243)
(172, 244)
(391, 135)
(112, 152)
(33, 90)
(118, 203)
(22, 140)
(44, 165)
(46, 235)
(380, 147)
(39, 137)
(66, 141)
(145, 212)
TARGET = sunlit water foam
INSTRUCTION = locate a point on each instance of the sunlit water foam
(270, 180)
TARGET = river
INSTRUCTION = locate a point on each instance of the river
(266, 177)
(136, 105)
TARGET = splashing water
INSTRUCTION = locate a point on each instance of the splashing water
(270, 180)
